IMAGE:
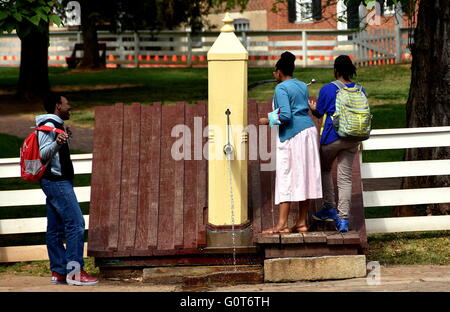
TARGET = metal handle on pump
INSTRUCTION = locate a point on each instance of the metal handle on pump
(228, 148)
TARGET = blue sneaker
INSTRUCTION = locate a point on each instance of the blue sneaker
(342, 225)
(326, 214)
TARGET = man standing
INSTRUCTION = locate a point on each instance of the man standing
(64, 216)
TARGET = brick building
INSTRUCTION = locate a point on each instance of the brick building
(377, 45)
(311, 14)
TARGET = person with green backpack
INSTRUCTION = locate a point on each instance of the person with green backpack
(346, 122)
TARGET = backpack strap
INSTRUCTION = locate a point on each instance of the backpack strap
(41, 126)
(49, 129)
(357, 85)
(339, 84)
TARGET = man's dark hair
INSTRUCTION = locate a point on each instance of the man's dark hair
(344, 67)
(50, 102)
(286, 63)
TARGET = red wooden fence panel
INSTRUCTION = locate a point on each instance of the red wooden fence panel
(144, 202)
(202, 180)
(149, 153)
(130, 177)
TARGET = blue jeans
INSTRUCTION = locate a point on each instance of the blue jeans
(64, 220)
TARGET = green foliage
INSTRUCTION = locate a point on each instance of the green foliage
(26, 15)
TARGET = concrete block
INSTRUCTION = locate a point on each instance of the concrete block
(314, 268)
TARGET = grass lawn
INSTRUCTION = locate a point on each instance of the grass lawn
(410, 248)
(169, 85)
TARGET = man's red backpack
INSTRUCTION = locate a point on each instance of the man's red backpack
(31, 166)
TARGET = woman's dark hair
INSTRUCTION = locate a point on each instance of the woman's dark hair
(286, 63)
(50, 102)
(344, 67)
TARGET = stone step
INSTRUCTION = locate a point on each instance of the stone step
(314, 268)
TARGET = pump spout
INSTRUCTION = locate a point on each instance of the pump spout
(311, 82)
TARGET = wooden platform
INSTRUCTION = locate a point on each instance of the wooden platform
(323, 238)
(309, 244)
(148, 209)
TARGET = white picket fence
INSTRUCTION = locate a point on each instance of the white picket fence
(388, 139)
(145, 48)
(380, 140)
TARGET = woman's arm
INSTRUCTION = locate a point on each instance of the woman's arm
(282, 100)
(318, 108)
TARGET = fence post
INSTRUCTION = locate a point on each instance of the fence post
(305, 48)
(244, 39)
(136, 49)
(120, 49)
(189, 48)
(398, 33)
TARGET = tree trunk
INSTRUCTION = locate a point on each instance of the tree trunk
(91, 57)
(33, 76)
(429, 97)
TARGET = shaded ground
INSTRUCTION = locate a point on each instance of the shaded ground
(416, 278)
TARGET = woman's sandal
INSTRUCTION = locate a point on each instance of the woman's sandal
(300, 229)
(285, 230)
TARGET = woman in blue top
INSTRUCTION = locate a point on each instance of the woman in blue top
(297, 154)
(332, 147)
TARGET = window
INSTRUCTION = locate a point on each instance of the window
(304, 11)
(241, 24)
(389, 8)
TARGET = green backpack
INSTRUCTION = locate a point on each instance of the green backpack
(352, 118)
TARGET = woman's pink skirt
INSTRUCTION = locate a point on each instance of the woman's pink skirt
(298, 175)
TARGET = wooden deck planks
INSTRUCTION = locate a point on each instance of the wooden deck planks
(314, 237)
(147, 214)
(334, 238)
(254, 175)
(352, 238)
(202, 180)
(171, 173)
(112, 192)
(98, 232)
(268, 238)
(190, 179)
(294, 238)
(129, 177)
(178, 191)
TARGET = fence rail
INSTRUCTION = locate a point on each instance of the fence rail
(399, 139)
(181, 48)
(380, 140)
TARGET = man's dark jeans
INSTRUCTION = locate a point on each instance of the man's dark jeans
(64, 220)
